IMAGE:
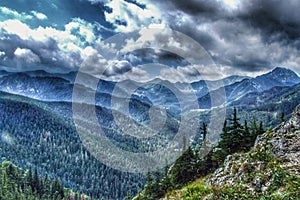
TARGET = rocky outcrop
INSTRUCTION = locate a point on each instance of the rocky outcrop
(284, 141)
(276, 152)
(270, 170)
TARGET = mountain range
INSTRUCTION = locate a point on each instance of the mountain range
(37, 128)
(45, 86)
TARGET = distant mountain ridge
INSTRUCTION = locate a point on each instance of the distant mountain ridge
(59, 87)
(278, 77)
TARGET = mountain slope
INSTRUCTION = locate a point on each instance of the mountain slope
(271, 170)
(279, 77)
(17, 183)
(42, 135)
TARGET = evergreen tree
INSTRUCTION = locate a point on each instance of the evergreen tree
(282, 117)
(183, 169)
(235, 134)
(166, 181)
(10, 171)
(184, 144)
(36, 182)
(149, 176)
(261, 129)
(221, 151)
(204, 145)
(254, 128)
(4, 182)
(29, 178)
(247, 141)
(128, 196)
(14, 185)
(57, 189)
(46, 184)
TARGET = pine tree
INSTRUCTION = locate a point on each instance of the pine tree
(46, 184)
(235, 133)
(204, 137)
(128, 196)
(183, 144)
(29, 178)
(10, 171)
(166, 181)
(36, 182)
(149, 176)
(4, 182)
(221, 151)
(282, 117)
(225, 138)
(261, 129)
(248, 141)
(57, 189)
(184, 168)
(76, 197)
(254, 130)
(231, 139)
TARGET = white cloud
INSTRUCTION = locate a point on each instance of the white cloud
(63, 48)
(132, 58)
(83, 28)
(231, 4)
(117, 67)
(66, 39)
(22, 16)
(27, 56)
(132, 15)
(39, 15)
(14, 14)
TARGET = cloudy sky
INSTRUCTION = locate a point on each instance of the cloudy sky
(142, 39)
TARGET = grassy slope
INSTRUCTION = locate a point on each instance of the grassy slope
(257, 174)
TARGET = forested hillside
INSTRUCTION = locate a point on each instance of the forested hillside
(33, 135)
(270, 170)
(15, 183)
(236, 137)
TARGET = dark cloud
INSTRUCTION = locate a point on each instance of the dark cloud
(195, 7)
(253, 36)
(158, 56)
(273, 17)
(48, 55)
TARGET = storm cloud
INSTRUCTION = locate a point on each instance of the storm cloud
(246, 37)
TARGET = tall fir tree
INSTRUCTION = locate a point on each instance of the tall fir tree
(36, 182)
(247, 141)
(235, 133)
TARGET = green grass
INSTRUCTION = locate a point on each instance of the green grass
(196, 192)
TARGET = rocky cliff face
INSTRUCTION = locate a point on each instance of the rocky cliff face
(270, 167)
(284, 141)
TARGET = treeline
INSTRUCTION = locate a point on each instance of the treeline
(235, 137)
(17, 184)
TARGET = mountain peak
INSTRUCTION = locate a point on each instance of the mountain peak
(280, 75)
(282, 70)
